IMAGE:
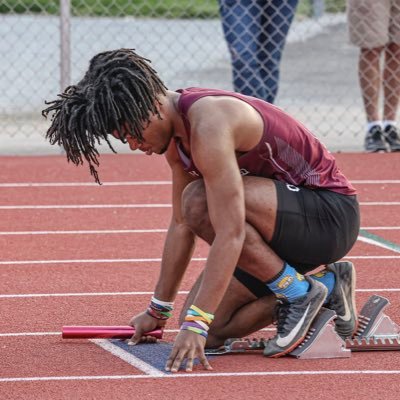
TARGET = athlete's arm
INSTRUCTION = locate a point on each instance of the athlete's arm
(213, 151)
(178, 249)
(180, 240)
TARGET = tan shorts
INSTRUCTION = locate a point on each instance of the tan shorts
(373, 23)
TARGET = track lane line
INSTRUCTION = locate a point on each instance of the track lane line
(149, 293)
(151, 260)
(129, 231)
(85, 232)
(89, 261)
(202, 375)
(150, 183)
(155, 205)
(18, 334)
(80, 184)
(82, 206)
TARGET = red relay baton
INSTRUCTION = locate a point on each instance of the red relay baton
(104, 332)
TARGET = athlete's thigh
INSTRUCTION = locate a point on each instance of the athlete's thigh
(261, 205)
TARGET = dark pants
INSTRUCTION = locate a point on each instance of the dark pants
(255, 31)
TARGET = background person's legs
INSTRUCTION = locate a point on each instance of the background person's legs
(391, 90)
(277, 16)
(241, 23)
(391, 81)
(370, 78)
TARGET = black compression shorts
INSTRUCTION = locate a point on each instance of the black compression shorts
(313, 228)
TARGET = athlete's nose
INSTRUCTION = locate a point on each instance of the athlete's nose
(133, 143)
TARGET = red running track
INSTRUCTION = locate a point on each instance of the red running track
(58, 267)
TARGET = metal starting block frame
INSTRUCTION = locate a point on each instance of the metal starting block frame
(376, 332)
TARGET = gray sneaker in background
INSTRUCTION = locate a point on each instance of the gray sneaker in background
(294, 320)
(342, 298)
(374, 140)
(392, 137)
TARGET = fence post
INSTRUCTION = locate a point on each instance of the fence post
(65, 43)
(318, 8)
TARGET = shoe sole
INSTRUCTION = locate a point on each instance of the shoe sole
(353, 297)
(283, 353)
(377, 150)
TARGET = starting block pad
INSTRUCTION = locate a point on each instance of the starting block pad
(376, 332)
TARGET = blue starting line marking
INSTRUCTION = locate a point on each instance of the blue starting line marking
(153, 354)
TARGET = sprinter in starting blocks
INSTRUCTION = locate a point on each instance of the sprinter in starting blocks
(376, 332)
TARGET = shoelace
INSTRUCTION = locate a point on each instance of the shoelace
(281, 313)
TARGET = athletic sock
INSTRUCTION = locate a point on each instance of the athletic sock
(372, 124)
(288, 284)
(327, 278)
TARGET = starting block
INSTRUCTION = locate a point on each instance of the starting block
(376, 332)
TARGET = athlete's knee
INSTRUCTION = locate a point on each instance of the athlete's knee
(194, 205)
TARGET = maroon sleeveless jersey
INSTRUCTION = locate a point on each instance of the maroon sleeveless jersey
(287, 151)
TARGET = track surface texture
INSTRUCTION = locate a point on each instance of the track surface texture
(75, 253)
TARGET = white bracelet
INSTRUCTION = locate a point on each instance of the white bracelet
(169, 304)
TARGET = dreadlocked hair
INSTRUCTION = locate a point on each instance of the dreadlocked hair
(119, 92)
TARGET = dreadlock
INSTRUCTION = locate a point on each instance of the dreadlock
(119, 91)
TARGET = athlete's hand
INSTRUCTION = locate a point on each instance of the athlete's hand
(144, 323)
(188, 345)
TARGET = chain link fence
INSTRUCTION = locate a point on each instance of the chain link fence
(47, 44)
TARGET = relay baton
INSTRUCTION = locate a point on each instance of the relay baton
(104, 332)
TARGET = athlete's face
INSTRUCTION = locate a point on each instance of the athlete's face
(154, 138)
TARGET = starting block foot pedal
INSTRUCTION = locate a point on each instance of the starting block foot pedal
(236, 345)
(373, 322)
(322, 341)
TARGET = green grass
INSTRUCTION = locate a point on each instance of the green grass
(143, 8)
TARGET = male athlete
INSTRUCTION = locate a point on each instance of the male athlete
(249, 179)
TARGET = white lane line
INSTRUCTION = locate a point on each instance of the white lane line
(129, 231)
(82, 206)
(151, 183)
(11, 296)
(85, 232)
(202, 375)
(128, 357)
(371, 257)
(92, 184)
(90, 261)
(381, 228)
(150, 260)
(378, 244)
(379, 203)
(375, 182)
(18, 334)
(156, 205)
(111, 294)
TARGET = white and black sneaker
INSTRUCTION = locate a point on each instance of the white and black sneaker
(294, 320)
(392, 137)
(342, 298)
(374, 140)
